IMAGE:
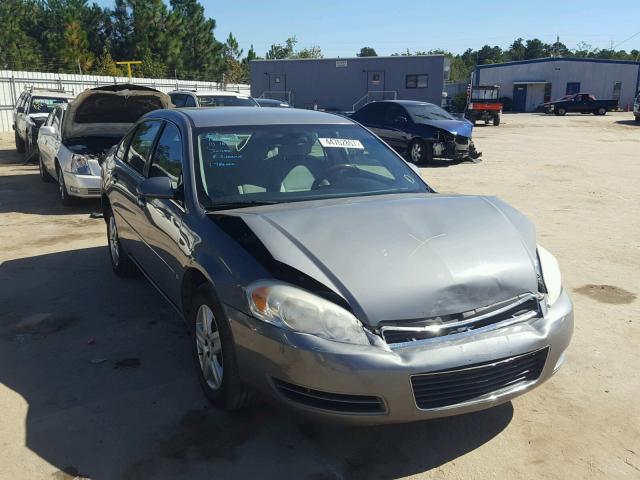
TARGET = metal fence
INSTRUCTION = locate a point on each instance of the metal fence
(12, 83)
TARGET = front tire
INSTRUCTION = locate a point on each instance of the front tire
(561, 112)
(420, 152)
(600, 111)
(65, 198)
(214, 352)
(496, 120)
(121, 264)
(20, 146)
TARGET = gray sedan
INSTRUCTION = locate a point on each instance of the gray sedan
(313, 265)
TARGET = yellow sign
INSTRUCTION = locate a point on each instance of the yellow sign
(128, 64)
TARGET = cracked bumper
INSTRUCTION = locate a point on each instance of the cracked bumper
(267, 355)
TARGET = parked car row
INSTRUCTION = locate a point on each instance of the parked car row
(310, 260)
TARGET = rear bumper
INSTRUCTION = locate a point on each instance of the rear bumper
(313, 367)
(83, 186)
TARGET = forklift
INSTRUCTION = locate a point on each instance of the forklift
(483, 104)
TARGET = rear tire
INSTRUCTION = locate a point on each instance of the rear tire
(420, 152)
(496, 120)
(637, 119)
(214, 352)
(121, 264)
(20, 146)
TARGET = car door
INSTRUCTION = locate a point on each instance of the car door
(54, 142)
(44, 144)
(21, 117)
(128, 173)
(394, 128)
(163, 234)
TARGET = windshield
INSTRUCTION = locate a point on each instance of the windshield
(45, 104)
(488, 93)
(428, 111)
(245, 165)
(225, 101)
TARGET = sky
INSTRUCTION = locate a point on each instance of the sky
(341, 28)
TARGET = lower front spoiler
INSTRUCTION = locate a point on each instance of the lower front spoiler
(82, 186)
(269, 357)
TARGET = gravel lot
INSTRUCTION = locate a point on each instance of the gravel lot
(96, 378)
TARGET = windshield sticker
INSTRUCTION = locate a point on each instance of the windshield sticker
(340, 143)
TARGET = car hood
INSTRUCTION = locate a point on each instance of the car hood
(398, 257)
(455, 127)
(111, 110)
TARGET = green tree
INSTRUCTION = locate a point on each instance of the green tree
(152, 66)
(105, 65)
(535, 48)
(309, 52)
(75, 47)
(367, 52)
(19, 50)
(279, 50)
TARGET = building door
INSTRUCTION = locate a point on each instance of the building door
(573, 87)
(519, 98)
(277, 82)
(375, 81)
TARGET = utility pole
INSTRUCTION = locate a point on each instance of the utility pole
(128, 63)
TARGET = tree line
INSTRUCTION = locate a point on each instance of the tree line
(177, 40)
(463, 64)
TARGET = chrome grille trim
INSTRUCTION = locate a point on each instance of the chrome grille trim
(467, 323)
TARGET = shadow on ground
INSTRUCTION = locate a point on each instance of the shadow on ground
(104, 365)
(631, 122)
(43, 199)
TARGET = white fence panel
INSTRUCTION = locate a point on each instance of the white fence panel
(12, 83)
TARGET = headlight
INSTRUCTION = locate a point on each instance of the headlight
(550, 275)
(296, 309)
(80, 165)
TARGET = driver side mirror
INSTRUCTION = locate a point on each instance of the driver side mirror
(47, 130)
(156, 187)
(20, 110)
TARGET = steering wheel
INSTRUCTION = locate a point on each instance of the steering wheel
(332, 173)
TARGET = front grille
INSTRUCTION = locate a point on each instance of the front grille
(93, 191)
(460, 140)
(405, 332)
(450, 387)
(336, 402)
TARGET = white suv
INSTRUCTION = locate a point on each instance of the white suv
(211, 98)
(31, 111)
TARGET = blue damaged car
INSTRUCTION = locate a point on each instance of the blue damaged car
(420, 131)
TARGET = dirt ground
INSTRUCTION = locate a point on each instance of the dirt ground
(96, 378)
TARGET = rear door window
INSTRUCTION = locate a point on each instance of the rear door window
(178, 99)
(142, 145)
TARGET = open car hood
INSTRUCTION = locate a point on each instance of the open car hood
(111, 110)
(405, 257)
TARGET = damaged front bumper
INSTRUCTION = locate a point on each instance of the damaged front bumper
(83, 186)
(373, 384)
(458, 148)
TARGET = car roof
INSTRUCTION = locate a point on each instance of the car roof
(238, 116)
(407, 102)
(222, 93)
(51, 94)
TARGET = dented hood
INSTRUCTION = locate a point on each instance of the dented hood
(111, 110)
(405, 256)
(455, 127)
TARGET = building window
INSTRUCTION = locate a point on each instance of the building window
(617, 88)
(547, 92)
(417, 81)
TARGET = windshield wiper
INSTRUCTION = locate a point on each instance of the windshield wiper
(232, 205)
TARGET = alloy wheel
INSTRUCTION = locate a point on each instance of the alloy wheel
(416, 152)
(209, 346)
(114, 246)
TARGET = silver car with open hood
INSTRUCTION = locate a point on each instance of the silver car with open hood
(313, 265)
(75, 138)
